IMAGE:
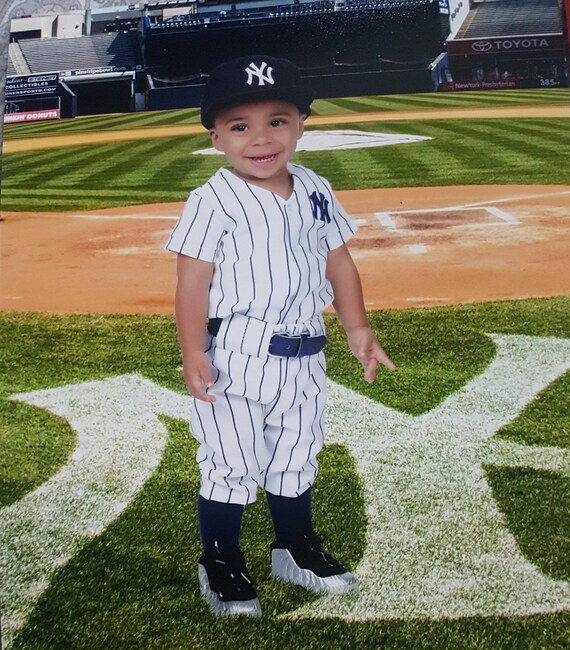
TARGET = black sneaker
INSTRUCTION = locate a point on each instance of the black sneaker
(305, 564)
(226, 586)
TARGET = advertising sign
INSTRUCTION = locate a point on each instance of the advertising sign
(37, 84)
(32, 116)
(502, 45)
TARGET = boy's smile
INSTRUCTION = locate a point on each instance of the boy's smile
(258, 140)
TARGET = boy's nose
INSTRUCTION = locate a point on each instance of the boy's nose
(262, 135)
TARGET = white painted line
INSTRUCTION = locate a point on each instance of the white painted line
(118, 217)
(385, 220)
(417, 249)
(453, 208)
(501, 214)
(507, 199)
(359, 222)
(426, 299)
(513, 199)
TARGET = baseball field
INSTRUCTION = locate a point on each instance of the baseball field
(445, 486)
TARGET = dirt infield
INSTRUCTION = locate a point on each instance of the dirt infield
(414, 247)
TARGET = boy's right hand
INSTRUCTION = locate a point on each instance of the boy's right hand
(198, 376)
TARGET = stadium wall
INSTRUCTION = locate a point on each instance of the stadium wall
(371, 83)
(339, 53)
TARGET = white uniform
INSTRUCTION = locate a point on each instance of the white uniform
(266, 426)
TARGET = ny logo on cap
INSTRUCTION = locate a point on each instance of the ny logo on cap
(260, 72)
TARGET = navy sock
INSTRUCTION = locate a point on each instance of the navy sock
(291, 517)
(220, 525)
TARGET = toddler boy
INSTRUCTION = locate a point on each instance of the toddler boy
(261, 253)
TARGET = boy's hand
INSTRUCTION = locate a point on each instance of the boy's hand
(368, 351)
(198, 376)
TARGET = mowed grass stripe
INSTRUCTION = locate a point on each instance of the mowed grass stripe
(23, 165)
(525, 139)
(457, 158)
(462, 151)
(485, 153)
(473, 156)
(444, 100)
(122, 168)
(510, 149)
(551, 133)
(60, 168)
(104, 123)
(191, 171)
(58, 201)
(106, 165)
(320, 107)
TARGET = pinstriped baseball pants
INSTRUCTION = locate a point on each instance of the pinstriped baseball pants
(246, 444)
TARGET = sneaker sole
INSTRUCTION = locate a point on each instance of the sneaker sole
(284, 568)
(225, 608)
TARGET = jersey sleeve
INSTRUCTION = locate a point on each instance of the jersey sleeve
(341, 227)
(198, 231)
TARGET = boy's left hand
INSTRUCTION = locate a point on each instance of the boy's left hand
(368, 351)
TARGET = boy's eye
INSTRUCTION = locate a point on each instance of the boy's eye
(239, 128)
(277, 122)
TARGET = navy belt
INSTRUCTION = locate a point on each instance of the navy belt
(284, 345)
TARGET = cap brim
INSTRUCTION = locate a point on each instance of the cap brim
(301, 97)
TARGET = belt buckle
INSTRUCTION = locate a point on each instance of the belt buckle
(299, 337)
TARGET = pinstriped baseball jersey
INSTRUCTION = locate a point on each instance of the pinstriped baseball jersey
(266, 426)
(269, 253)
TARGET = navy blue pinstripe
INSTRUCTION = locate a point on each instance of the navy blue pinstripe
(264, 316)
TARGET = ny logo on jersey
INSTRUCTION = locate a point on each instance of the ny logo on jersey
(264, 73)
(320, 207)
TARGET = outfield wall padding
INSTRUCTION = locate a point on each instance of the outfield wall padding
(325, 86)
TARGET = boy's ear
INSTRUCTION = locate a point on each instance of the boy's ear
(302, 119)
(214, 137)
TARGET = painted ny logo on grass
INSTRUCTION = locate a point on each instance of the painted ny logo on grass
(437, 544)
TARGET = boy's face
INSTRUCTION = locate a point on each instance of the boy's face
(259, 139)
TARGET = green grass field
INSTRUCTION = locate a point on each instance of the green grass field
(131, 583)
(134, 585)
(525, 151)
(470, 99)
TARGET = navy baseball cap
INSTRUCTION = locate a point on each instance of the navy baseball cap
(251, 79)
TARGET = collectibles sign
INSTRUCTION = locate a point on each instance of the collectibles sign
(38, 84)
(501, 45)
